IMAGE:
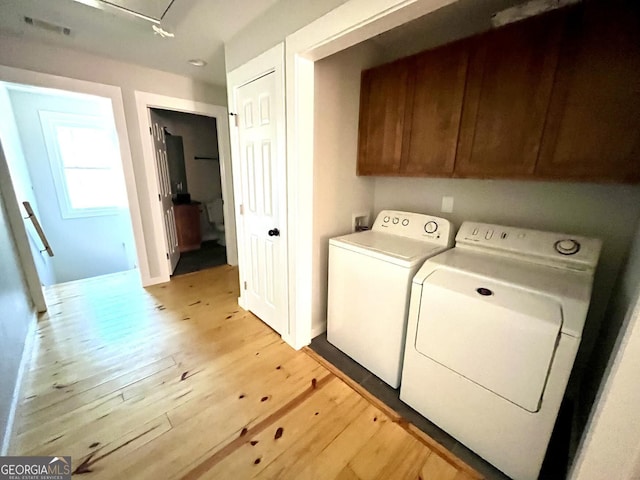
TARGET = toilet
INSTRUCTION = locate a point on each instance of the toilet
(216, 218)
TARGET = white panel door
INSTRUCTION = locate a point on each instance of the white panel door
(164, 189)
(265, 249)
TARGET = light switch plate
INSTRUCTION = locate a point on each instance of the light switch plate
(447, 204)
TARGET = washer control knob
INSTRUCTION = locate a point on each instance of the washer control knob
(405, 222)
(395, 220)
(567, 246)
(386, 219)
(430, 227)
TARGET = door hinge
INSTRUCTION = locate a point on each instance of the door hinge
(167, 255)
(241, 209)
(150, 131)
(245, 285)
(235, 118)
(159, 198)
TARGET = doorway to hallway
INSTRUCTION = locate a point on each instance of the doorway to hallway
(187, 157)
(64, 159)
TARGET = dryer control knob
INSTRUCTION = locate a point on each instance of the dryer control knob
(567, 247)
(405, 222)
(386, 219)
(395, 220)
(430, 227)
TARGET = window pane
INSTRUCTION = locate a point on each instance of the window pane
(95, 188)
(91, 166)
(87, 147)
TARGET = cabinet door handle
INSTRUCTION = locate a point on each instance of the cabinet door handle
(274, 233)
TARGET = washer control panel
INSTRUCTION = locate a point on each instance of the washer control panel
(573, 251)
(415, 225)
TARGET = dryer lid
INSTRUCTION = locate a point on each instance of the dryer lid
(499, 336)
(405, 252)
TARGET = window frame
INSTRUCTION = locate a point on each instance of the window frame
(50, 121)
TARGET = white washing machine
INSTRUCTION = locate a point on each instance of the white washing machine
(369, 284)
(494, 327)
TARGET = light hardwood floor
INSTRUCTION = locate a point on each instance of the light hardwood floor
(176, 381)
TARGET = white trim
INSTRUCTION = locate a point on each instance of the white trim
(270, 61)
(144, 101)
(16, 222)
(49, 122)
(318, 330)
(241, 303)
(17, 390)
(114, 94)
(350, 23)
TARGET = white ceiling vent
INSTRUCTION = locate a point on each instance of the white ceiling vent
(50, 27)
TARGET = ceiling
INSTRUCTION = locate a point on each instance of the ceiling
(200, 26)
(461, 19)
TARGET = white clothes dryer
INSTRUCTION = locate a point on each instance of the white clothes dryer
(369, 283)
(494, 327)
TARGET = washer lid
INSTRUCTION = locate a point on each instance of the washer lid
(395, 249)
(498, 336)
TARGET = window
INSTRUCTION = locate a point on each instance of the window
(85, 162)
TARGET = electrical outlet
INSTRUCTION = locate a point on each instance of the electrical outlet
(359, 222)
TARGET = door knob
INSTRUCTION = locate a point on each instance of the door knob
(274, 233)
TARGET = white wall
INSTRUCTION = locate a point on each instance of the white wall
(200, 138)
(84, 247)
(337, 192)
(608, 212)
(270, 28)
(28, 55)
(16, 313)
(613, 326)
(611, 446)
(22, 184)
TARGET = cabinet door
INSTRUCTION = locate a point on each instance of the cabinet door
(593, 125)
(382, 108)
(509, 83)
(434, 107)
(188, 226)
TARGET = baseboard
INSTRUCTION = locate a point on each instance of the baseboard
(295, 342)
(147, 282)
(318, 330)
(242, 303)
(17, 391)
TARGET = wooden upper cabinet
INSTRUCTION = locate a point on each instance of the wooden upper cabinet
(555, 96)
(383, 96)
(509, 84)
(593, 125)
(434, 106)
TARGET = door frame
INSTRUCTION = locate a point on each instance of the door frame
(114, 94)
(145, 101)
(348, 24)
(16, 222)
(271, 61)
